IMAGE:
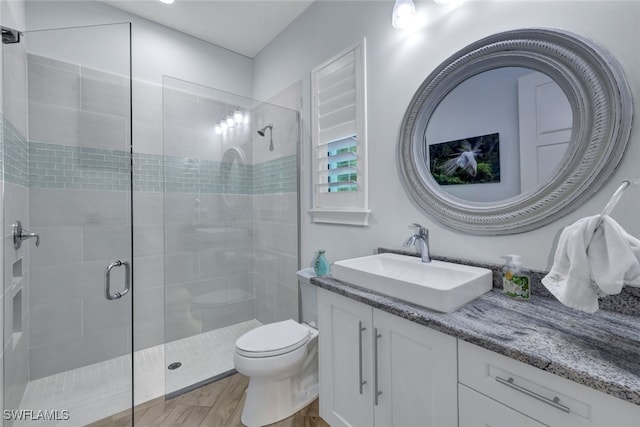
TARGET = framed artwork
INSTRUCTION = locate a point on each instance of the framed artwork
(474, 160)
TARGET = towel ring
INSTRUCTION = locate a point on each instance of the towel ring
(613, 201)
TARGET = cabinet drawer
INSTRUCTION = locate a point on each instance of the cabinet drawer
(552, 400)
(477, 410)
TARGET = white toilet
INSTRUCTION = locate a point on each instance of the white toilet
(281, 361)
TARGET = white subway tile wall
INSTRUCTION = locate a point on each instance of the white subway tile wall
(76, 167)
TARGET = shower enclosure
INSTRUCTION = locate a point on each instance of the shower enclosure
(66, 157)
(231, 225)
(205, 219)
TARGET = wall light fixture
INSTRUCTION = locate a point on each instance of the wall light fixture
(234, 118)
(237, 115)
(404, 14)
(230, 122)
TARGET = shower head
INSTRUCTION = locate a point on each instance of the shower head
(262, 131)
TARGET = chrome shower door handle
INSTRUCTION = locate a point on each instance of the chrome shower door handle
(107, 280)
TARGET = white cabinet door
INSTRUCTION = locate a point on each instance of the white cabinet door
(345, 361)
(362, 351)
(417, 374)
(477, 410)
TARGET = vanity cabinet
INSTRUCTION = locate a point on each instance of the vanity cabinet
(496, 391)
(377, 369)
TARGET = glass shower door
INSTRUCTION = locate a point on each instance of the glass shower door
(231, 225)
(67, 271)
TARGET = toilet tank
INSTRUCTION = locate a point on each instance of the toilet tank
(308, 297)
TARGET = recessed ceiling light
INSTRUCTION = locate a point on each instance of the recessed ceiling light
(167, 1)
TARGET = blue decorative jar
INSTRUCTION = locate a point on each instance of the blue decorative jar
(320, 264)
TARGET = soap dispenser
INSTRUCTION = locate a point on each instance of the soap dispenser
(515, 279)
(320, 264)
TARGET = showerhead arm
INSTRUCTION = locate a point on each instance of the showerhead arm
(262, 131)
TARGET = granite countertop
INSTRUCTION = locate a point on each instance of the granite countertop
(600, 350)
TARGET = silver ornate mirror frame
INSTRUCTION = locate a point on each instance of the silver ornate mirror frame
(600, 98)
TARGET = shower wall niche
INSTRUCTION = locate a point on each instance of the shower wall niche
(231, 217)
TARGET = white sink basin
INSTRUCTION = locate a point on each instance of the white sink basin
(440, 286)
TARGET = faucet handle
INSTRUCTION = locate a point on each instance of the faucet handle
(420, 229)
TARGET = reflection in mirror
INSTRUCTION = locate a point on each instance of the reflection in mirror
(233, 174)
(498, 134)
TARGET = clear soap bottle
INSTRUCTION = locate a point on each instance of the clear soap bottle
(515, 279)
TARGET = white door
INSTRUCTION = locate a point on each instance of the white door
(344, 361)
(546, 120)
(66, 308)
(417, 374)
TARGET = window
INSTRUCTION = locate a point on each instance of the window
(339, 139)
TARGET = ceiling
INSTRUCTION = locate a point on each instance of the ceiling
(243, 26)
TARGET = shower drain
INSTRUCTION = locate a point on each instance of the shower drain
(174, 365)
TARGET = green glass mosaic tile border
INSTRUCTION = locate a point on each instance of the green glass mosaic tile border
(1, 147)
(276, 176)
(78, 168)
(15, 155)
(69, 167)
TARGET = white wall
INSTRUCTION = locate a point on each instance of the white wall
(157, 50)
(397, 63)
(12, 12)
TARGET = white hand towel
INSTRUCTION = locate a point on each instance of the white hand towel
(589, 263)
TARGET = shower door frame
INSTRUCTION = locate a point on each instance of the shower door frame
(102, 281)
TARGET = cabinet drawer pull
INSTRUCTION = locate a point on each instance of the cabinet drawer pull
(555, 402)
(361, 329)
(376, 392)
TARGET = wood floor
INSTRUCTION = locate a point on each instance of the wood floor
(218, 404)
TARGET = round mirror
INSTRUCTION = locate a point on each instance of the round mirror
(514, 131)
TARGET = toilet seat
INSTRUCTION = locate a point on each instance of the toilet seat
(273, 339)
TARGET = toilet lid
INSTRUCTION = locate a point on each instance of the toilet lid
(273, 339)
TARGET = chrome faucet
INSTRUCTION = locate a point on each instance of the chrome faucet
(420, 239)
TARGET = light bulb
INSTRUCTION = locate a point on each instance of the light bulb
(223, 125)
(404, 14)
(237, 115)
(218, 129)
(230, 122)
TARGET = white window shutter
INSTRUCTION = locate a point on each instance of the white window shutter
(339, 139)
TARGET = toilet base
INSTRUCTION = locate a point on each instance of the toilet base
(268, 402)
